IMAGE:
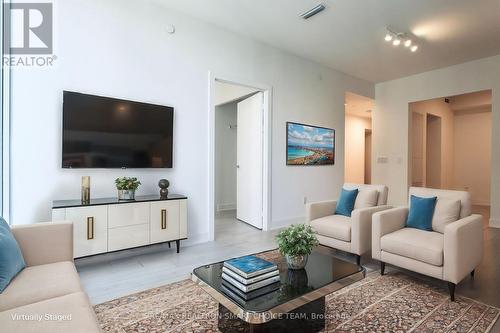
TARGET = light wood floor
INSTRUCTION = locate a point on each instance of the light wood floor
(108, 276)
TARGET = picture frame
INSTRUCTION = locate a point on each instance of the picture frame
(308, 145)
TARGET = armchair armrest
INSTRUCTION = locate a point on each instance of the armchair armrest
(361, 228)
(315, 210)
(384, 223)
(463, 247)
(45, 243)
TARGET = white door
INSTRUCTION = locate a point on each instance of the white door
(249, 160)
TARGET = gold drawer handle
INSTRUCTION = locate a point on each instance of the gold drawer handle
(164, 219)
(90, 227)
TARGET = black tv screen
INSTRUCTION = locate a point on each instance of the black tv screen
(102, 132)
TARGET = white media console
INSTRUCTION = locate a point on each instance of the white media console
(107, 224)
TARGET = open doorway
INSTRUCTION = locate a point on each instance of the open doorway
(358, 138)
(433, 151)
(239, 169)
(450, 145)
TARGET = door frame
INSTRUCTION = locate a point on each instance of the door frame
(266, 149)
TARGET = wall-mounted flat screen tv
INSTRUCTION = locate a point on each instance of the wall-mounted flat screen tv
(103, 132)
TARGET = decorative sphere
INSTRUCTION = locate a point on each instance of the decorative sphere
(163, 183)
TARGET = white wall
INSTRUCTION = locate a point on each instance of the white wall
(225, 156)
(355, 148)
(121, 49)
(472, 154)
(390, 121)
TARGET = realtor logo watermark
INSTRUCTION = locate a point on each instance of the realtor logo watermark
(28, 35)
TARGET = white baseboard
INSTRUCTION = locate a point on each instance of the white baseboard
(226, 207)
(196, 239)
(481, 203)
(494, 223)
(284, 223)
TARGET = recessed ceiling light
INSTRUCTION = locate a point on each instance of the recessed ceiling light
(313, 11)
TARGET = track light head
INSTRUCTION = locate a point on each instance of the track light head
(313, 11)
(398, 38)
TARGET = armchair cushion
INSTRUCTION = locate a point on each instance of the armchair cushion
(346, 202)
(366, 198)
(11, 257)
(447, 211)
(421, 213)
(333, 226)
(381, 189)
(463, 196)
(425, 246)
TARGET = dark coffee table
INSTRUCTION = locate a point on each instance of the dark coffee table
(297, 306)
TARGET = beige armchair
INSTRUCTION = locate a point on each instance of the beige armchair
(349, 234)
(449, 252)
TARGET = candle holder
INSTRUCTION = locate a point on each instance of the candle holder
(85, 190)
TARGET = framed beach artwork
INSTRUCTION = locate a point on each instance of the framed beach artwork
(309, 145)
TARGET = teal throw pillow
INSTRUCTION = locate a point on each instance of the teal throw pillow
(345, 205)
(421, 213)
(11, 257)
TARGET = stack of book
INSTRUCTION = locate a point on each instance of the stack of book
(249, 277)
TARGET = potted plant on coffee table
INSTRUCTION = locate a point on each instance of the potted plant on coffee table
(126, 187)
(296, 243)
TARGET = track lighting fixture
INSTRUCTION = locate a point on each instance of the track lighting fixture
(400, 37)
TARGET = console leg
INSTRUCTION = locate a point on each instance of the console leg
(451, 288)
(169, 246)
(178, 245)
(358, 259)
(472, 273)
(382, 267)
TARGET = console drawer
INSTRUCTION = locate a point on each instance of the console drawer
(126, 237)
(128, 214)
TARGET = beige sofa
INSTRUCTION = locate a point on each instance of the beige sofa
(349, 234)
(46, 296)
(450, 252)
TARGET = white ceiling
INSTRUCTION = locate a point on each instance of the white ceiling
(348, 35)
(360, 106)
(227, 92)
(471, 101)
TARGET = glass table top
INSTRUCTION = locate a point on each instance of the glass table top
(321, 270)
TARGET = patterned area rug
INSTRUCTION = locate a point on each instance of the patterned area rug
(394, 302)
